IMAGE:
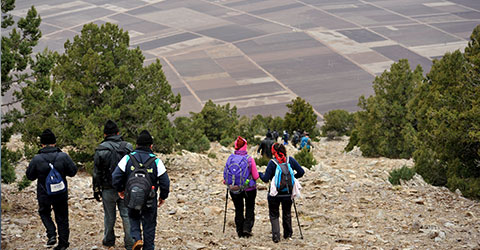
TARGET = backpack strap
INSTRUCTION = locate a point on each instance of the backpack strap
(137, 164)
(50, 164)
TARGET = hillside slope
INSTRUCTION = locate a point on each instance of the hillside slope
(347, 203)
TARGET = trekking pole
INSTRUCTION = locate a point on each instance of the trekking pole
(298, 221)
(225, 216)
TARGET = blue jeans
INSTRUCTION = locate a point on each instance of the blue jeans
(148, 218)
(111, 201)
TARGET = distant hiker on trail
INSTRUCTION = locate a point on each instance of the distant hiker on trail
(281, 189)
(265, 146)
(137, 178)
(275, 135)
(306, 142)
(107, 156)
(240, 174)
(50, 167)
(285, 137)
(295, 138)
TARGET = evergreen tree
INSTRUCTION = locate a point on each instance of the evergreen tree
(300, 116)
(217, 122)
(190, 137)
(385, 125)
(337, 122)
(447, 108)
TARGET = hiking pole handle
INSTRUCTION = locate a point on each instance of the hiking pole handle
(225, 215)
(298, 221)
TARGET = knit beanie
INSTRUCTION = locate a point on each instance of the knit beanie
(47, 137)
(110, 128)
(144, 139)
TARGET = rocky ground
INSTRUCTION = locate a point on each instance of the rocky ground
(347, 203)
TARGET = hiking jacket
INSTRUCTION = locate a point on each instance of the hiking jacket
(38, 168)
(251, 164)
(159, 174)
(266, 147)
(271, 167)
(305, 142)
(102, 177)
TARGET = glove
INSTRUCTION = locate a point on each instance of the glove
(97, 194)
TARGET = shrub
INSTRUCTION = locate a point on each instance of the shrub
(189, 137)
(337, 123)
(262, 161)
(24, 183)
(301, 116)
(216, 121)
(9, 159)
(212, 155)
(404, 173)
(305, 158)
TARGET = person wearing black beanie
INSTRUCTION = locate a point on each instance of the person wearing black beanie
(143, 216)
(106, 158)
(49, 157)
(48, 137)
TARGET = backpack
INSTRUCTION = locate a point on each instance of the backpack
(284, 177)
(304, 143)
(140, 187)
(54, 183)
(117, 152)
(236, 173)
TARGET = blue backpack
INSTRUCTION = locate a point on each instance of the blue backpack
(236, 173)
(54, 182)
(284, 177)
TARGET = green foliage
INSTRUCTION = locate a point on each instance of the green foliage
(300, 116)
(190, 137)
(262, 161)
(305, 158)
(216, 121)
(403, 173)
(227, 142)
(447, 108)
(24, 183)
(385, 125)
(9, 160)
(337, 123)
(212, 155)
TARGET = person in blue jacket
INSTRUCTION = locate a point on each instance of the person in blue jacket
(147, 216)
(279, 153)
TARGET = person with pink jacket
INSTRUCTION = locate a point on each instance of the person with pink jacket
(246, 198)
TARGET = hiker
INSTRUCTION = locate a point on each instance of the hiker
(285, 137)
(306, 142)
(283, 196)
(248, 172)
(265, 146)
(51, 162)
(142, 173)
(295, 138)
(107, 156)
(275, 135)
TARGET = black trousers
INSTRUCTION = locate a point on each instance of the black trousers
(274, 213)
(59, 203)
(244, 223)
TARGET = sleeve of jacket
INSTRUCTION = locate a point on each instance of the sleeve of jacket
(164, 185)
(70, 167)
(98, 172)
(299, 172)
(32, 170)
(269, 172)
(119, 176)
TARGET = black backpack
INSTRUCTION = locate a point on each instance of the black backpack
(285, 179)
(139, 188)
(117, 152)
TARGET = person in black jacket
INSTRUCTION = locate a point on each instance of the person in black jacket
(147, 216)
(280, 153)
(38, 169)
(265, 146)
(107, 156)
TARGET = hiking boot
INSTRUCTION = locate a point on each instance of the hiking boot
(60, 247)
(276, 239)
(138, 245)
(286, 236)
(51, 241)
(247, 234)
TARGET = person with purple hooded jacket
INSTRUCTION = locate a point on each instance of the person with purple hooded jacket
(244, 223)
